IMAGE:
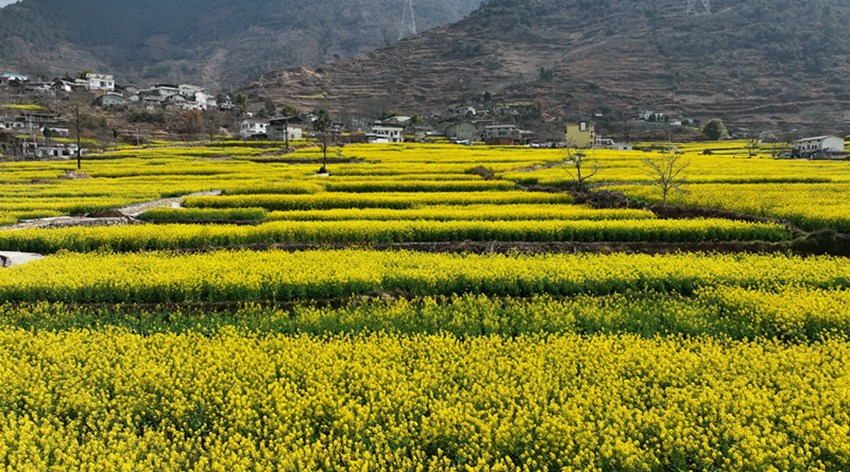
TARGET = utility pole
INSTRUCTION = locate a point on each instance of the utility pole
(286, 132)
(77, 125)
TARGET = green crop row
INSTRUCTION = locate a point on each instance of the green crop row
(282, 276)
(135, 238)
(794, 315)
(326, 201)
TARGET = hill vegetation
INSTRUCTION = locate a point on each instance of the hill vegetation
(751, 61)
(219, 42)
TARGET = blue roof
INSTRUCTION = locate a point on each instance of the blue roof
(13, 76)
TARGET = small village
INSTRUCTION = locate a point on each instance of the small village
(27, 132)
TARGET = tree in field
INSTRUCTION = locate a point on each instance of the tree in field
(667, 172)
(576, 167)
(714, 129)
(323, 124)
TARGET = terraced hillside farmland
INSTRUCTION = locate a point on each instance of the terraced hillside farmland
(424, 308)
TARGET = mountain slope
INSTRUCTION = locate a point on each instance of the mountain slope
(773, 62)
(215, 42)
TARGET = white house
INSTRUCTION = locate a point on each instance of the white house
(387, 133)
(253, 127)
(279, 128)
(820, 144)
(100, 83)
(502, 131)
(55, 151)
(197, 98)
(7, 122)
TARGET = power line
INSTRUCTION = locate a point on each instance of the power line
(408, 21)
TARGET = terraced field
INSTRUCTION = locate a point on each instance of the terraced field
(304, 322)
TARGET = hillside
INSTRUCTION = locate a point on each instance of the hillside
(216, 43)
(763, 62)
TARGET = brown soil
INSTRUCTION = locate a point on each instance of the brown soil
(208, 222)
(605, 200)
(678, 212)
(75, 176)
(107, 214)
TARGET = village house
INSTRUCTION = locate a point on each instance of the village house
(465, 111)
(458, 130)
(604, 143)
(110, 100)
(502, 135)
(740, 133)
(57, 129)
(422, 132)
(820, 147)
(382, 132)
(581, 135)
(7, 79)
(52, 151)
(279, 129)
(100, 83)
(8, 122)
(156, 95)
(253, 128)
(196, 97)
(481, 125)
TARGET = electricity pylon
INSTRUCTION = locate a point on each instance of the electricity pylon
(408, 21)
(705, 3)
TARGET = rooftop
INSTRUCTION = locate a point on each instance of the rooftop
(817, 138)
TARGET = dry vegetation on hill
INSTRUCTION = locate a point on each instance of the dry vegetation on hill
(755, 61)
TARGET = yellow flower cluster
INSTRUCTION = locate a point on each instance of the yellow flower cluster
(283, 276)
(810, 206)
(467, 212)
(331, 200)
(178, 236)
(112, 401)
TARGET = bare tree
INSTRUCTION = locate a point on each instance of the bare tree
(577, 169)
(667, 172)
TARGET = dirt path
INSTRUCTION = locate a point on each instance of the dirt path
(129, 213)
(177, 202)
(11, 259)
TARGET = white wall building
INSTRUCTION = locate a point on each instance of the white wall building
(279, 128)
(826, 144)
(7, 122)
(386, 133)
(100, 83)
(502, 131)
(253, 127)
